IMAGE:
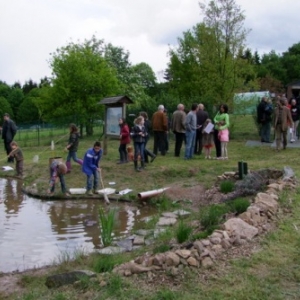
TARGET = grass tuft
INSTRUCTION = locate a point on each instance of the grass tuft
(226, 186)
(183, 232)
(238, 205)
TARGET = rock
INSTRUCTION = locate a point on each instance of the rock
(205, 243)
(240, 227)
(217, 248)
(159, 259)
(111, 250)
(181, 213)
(225, 244)
(215, 240)
(172, 259)
(192, 262)
(199, 246)
(207, 262)
(67, 278)
(130, 268)
(169, 215)
(166, 221)
(266, 202)
(126, 244)
(183, 253)
(275, 186)
(144, 232)
(139, 240)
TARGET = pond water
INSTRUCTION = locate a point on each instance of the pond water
(34, 233)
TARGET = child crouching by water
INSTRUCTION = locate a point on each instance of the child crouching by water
(57, 171)
(18, 155)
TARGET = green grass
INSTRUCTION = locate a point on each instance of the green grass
(272, 271)
(226, 186)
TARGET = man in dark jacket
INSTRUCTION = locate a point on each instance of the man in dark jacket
(9, 130)
(264, 118)
(202, 116)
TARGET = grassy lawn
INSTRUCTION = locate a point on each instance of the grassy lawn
(272, 271)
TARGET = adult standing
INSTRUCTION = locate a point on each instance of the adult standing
(178, 127)
(295, 112)
(264, 118)
(281, 120)
(160, 128)
(9, 130)
(221, 121)
(190, 131)
(202, 116)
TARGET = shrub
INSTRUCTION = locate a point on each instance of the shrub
(107, 225)
(226, 186)
(239, 205)
(183, 232)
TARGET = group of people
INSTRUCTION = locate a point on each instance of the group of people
(194, 129)
(197, 131)
(285, 118)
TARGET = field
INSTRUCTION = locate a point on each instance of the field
(268, 269)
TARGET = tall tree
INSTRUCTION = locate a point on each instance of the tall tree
(207, 62)
(82, 77)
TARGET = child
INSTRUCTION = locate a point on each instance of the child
(139, 135)
(207, 138)
(72, 147)
(57, 171)
(18, 155)
(224, 139)
(124, 140)
(91, 168)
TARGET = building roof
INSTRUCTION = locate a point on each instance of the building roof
(116, 99)
(294, 83)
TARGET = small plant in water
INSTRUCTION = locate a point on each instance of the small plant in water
(183, 232)
(107, 225)
(227, 186)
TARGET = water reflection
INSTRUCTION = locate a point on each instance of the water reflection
(34, 232)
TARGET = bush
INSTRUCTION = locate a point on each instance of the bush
(239, 205)
(183, 232)
(226, 186)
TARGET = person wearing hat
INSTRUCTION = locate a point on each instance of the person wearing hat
(57, 171)
(9, 130)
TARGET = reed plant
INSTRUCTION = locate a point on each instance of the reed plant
(107, 225)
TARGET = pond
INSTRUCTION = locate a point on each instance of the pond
(34, 233)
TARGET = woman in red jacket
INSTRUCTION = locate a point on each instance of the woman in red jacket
(124, 140)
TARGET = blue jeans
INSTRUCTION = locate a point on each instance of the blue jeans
(190, 144)
(139, 149)
(89, 181)
(72, 154)
(62, 184)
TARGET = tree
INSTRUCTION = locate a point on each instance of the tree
(82, 77)
(4, 106)
(207, 62)
(15, 99)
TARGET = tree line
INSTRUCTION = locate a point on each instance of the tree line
(209, 64)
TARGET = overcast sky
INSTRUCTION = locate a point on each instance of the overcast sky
(32, 29)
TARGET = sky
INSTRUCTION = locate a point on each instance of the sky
(32, 29)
